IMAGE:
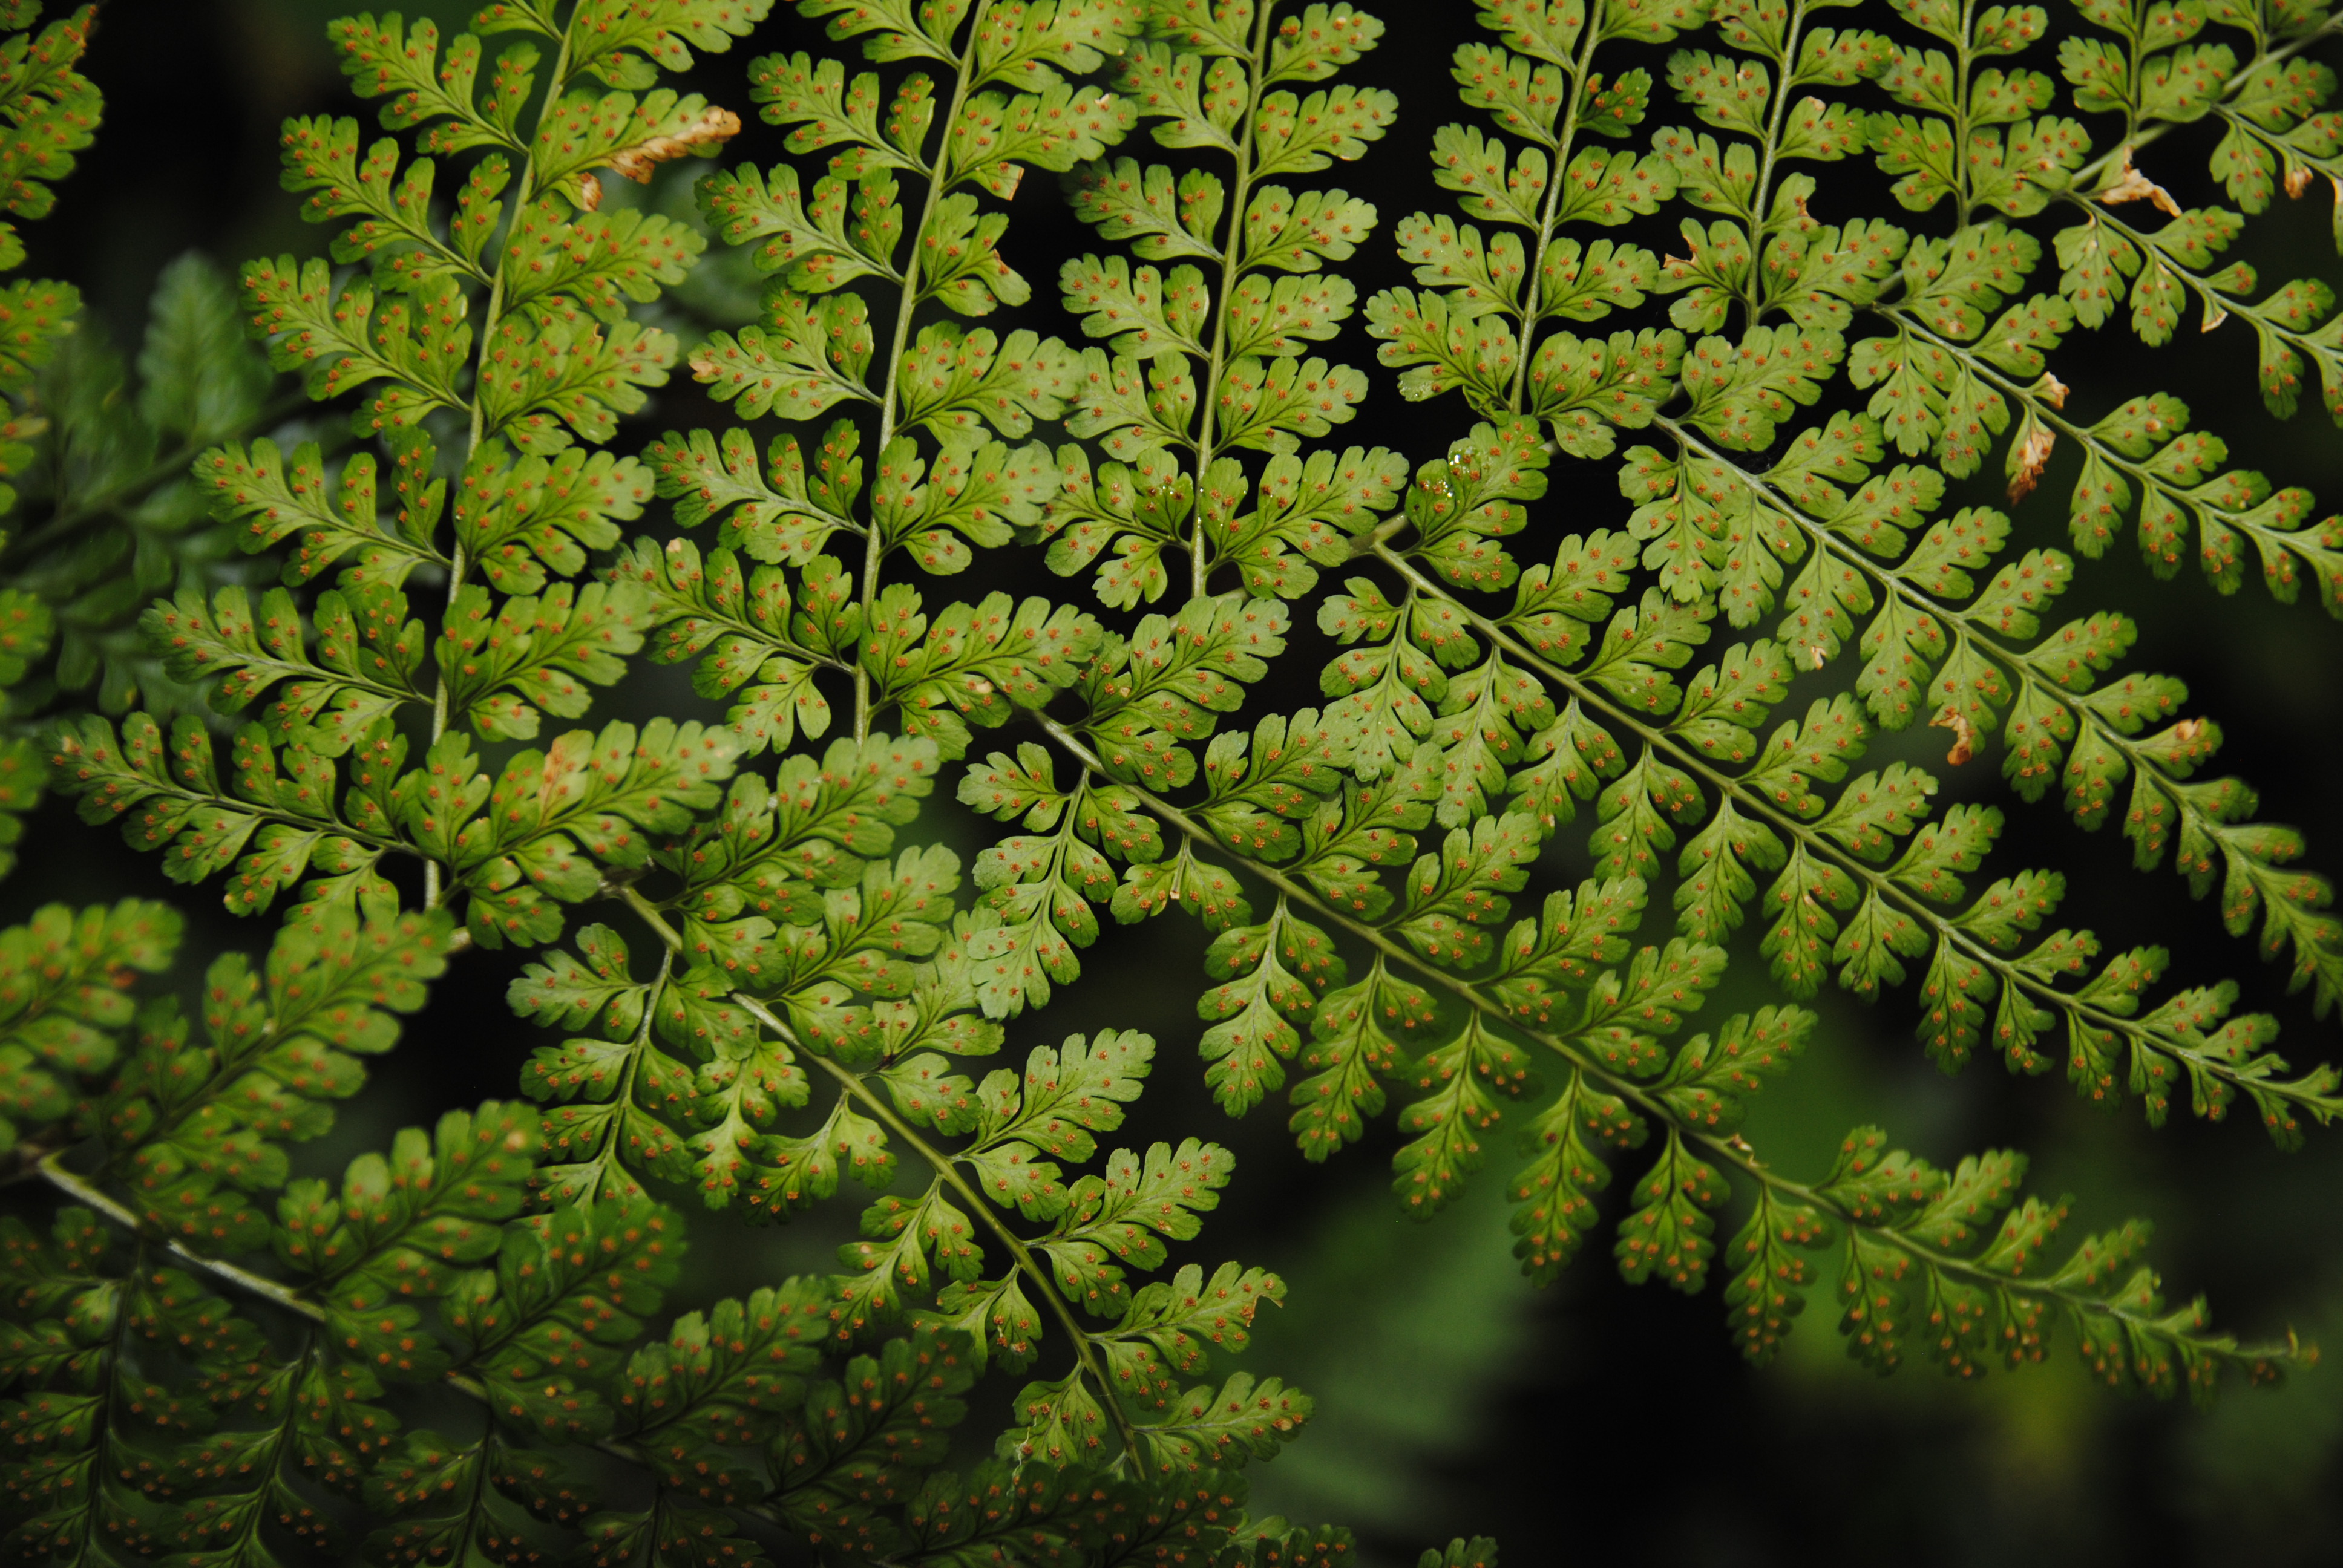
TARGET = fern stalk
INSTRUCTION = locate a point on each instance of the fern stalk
(524, 191)
(906, 297)
(90, 1195)
(106, 1460)
(260, 1287)
(1769, 153)
(591, 1186)
(1256, 62)
(1565, 142)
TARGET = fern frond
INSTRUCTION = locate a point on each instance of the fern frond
(1442, 711)
(795, 898)
(2123, 1331)
(2152, 87)
(1243, 333)
(72, 1419)
(513, 1255)
(433, 1341)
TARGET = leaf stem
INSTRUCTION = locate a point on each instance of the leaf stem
(110, 1433)
(652, 916)
(624, 1100)
(1964, 53)
(907, 300)
(524, 185)
(1785, 66)
(1232, 267)
(89, 1194)
(1534, 282)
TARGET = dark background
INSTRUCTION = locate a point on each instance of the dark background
(1590, 1421)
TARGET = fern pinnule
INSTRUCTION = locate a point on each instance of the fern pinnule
(1209, 367)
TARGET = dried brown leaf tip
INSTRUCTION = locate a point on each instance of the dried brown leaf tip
(714, 127)
(1965, 735)
(589, 192)
(2028, 455)
(2297, 179)
(2134, 185)
(2051, 390)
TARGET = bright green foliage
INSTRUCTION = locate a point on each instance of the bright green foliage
(1488, 700)
(1227, 86)
(460, 582)
(518, 847)
(523, 333)
(786, 980)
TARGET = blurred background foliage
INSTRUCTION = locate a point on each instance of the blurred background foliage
(1592, 1421)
